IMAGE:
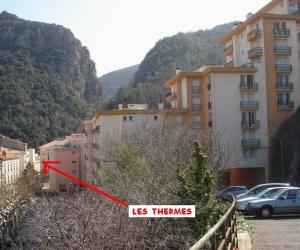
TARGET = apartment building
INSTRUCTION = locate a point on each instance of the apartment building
(112, 127)
(9, 171)
(248, 98)
(70, 152)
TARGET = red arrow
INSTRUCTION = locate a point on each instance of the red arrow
(47, 166)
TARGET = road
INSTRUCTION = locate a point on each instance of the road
(277, 233)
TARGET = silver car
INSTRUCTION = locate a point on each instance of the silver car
(257, 189)
(234, 190)
(242, 203)
(283, 202)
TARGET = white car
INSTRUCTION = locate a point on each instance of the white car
(257, 189)
(242, 203)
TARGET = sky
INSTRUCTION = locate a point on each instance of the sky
(119, 33)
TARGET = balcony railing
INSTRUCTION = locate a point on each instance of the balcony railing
(284, 86)
(285, 104)
(286, 68)
(171, 95)
(249, 105)
(255, 52)
(196, 107)
(248, 85)
(195, 89)
(283, 50)
(281, 32)
(250, 142)
(196, 124)
(228, 50)
(247, 65)
(254, 34)
(250, 124)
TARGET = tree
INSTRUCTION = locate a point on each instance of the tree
(196, 188)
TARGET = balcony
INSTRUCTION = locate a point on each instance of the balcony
(283, 68)
(285, 104)
(250, 124)
(254, 34)
(196, 89)
(229, 64)
(283, 50)
(209, 105)
(255, 52)
(250, 143)
(249, 105)
(171, 96)
(248, 86)
(228, 50)
(209, 86)
(281, 32)
(196, 107)
(284, 86)
(196, 124)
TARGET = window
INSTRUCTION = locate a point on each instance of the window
(178, 121)
(282, 80)
(74, 171)
(196, 121)
(249, 153)
(130, 118)
(74, 162)
(284, 99)
(195, 86)
(124, 118)
(155, 118)
(196, 104)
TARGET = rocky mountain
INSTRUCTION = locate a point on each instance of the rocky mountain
(47, 80)
(111, 82)
(185, 50)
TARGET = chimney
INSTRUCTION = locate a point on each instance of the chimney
(178, 70)
(249, 15)
(120, 106)
(160, 106)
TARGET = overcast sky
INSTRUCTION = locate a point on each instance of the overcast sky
(119, 33)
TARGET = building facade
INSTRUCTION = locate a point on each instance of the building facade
(248, 98)
(10, 172)
(70, 152)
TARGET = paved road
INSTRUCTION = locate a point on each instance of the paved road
(278, 233)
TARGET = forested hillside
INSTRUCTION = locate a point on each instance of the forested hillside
(185, 50)
(111, 82)
(47, 80)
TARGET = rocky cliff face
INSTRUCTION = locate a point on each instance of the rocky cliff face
(55, 50)
(48, 82)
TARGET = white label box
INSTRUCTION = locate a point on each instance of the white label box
(161, 211)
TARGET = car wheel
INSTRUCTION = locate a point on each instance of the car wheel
(265, 212)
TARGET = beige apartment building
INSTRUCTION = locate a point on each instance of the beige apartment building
(248, 98)
(111, 127)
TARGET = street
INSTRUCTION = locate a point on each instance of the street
(277, 233)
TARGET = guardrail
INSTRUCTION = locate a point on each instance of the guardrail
(222, 235)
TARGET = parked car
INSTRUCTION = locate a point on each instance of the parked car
(242, 203)
(234, 190)
(257, 189)
(283, 202)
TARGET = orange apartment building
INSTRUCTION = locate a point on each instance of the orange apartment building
(248, 98)
(70, 152)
